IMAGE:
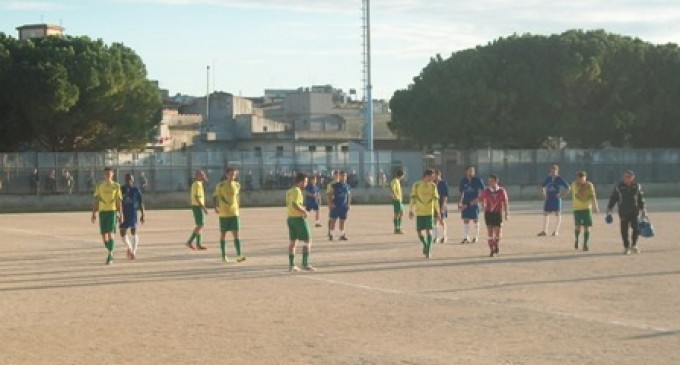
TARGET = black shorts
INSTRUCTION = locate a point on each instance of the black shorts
(493, 219)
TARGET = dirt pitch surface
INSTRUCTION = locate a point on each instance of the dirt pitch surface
(374, 299)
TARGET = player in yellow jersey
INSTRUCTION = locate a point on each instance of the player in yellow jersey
(397, 199)
(227, 201)
(298, 230)
(425, 206)
(107, 201)
(199, 210)
(584, 201)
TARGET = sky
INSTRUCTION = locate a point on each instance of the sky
(252, 45)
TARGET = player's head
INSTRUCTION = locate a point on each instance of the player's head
(301, 180)
(629, 177)
(554, 169)
(428, 175)
(581, 177)
(129, 179)
(231, 173)
(437, 175)
(399, 174)
(313, 179)
(108, 173)
(199, 175)
(343, 176)
(336, 175)
(492, 180)
(470, 171)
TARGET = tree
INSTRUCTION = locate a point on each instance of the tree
(75, 94)
(587, 88)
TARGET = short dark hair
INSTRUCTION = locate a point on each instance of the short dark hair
(300, 177)
(428, 172)
(128, 177)
(108, 168)
(469, 167)
(581, 174)
(399, 173)
(493, 176)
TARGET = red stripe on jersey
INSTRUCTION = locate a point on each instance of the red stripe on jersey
(493, 199)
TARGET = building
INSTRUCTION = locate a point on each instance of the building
(39, 30)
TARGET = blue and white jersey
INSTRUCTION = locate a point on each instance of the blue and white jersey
(132, 199)
(341, 193)
(311, 192)
(443, 191)
(470, 188)
(553, 185)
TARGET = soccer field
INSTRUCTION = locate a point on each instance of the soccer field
(373, 300)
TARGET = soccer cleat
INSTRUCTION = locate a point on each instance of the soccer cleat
(240, 259)
(128, 254)
(398, 231)
(201, 248)
(576, 246)
(626, 251)
(109, 260)
(491, 253)
(293, 268)
(585, 248)
(330, 237)
(190, 246)
(496, 250)
(474, 240)
(636, 249)
(555, 234)
(541, 234)
(444, 240)
(318, 225)
(343, 237)
(309, 268)
(133, 255)
(464, 241)
(225, 258)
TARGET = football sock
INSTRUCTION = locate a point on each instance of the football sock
(126, 239)
(546, 220)
(477, 229)
(399, 223)
(577, 233)
(491, 242)
(135, 242)
(191, 239)
(305, 256)
(291, 259)
(237, 244)
(198, 239)
(223, 247)
(422, 239)
(559, 222)
(466, 230)
(396, 224)
(429, 242)
(586, 237)
(435, 231)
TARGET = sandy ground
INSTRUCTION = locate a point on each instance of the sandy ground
(374, 300)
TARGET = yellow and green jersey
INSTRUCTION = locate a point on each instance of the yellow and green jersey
(582, 195)
(425, 199)
(294, 200)
(227, 194)
(395, 185)
(197, 194)
(108, 193)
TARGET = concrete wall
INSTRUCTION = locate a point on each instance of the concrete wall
(29, 203)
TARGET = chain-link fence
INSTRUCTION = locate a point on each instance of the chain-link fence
(524, 167)
(71, 173)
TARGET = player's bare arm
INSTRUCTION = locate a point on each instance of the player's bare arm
(95, 209)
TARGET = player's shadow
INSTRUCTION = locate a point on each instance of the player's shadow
(655, 335)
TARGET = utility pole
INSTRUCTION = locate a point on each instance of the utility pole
(207, 94)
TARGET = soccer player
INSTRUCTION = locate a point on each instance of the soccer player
(313, 198)
(341, 203)
(132, 201)
(495, 202)
(329, 201)
(199, 210)
(397, 198)
(629, 196)
(584, 201)
(424, 204)
(470, 188)
(297, 224)
(443, 191)
(552, 199)
(226, 201)
(107, 201)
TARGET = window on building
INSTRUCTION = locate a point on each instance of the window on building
(329, 148)
(344, 148)
(312, 148)
(258, 151)
(264, 129)
(279, 151)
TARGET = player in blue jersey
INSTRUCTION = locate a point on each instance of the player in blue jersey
(470, 188)
(554, 188)
(340, 203)
(132, 202)
(313, 198)
(443, 191)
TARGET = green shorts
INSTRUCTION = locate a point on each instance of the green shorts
(230, 224)
(298, 229)
(398, 207)
(199, 216)
(424, 222)
(107, 222)
(583, 218)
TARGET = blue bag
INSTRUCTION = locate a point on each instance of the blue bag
(645, 227)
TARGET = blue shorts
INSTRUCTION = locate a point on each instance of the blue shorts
(339, 213)
(311, 205)
(471, 212)
(552, 205)
(129, 220)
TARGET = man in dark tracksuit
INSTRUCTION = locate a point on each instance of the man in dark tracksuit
(630, 198)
